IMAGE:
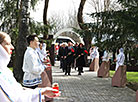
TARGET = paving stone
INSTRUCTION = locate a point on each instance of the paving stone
(89, 88)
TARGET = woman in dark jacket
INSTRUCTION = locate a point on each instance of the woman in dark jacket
(80, 61)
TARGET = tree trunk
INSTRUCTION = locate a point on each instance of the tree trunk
(21, 41)
(86, 40)
(80, 13)
(51, 51)
(45, 17)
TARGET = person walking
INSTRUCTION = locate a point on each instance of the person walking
(80, 61)
(69, 58)
(63, 54)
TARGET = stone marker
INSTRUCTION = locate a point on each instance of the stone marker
(104, 70)
(46, 81)
(91, 67)
(137, 96)
(94, 66)
(119, 78)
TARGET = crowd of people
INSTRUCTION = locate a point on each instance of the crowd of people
(72, 56)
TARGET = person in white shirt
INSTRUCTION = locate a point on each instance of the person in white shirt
(10, 89)
(41, 50)
(96, 66)
(105, 56)
(94, 56)
(120, 58)
(32, 65)
(105, 66)
(91, 51)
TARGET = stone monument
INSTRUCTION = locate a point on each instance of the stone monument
(119, 78)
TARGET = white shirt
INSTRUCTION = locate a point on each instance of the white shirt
(105, 56)
(94, 54)
(120, 60)
(32, 68)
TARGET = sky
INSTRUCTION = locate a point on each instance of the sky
(62, 7)
(56, 6)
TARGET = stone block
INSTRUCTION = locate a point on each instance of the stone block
(137, 96)
(104, 70)
(119, 78)
(46, 81)
(91, 67)
(94, 66)
(49, 73)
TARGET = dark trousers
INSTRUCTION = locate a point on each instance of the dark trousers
(61, 63)
(80, 69)
(64, 64)
(68, 68)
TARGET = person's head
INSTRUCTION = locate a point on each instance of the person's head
(121, 50)
(41, 45)
(64, 45)
(77, 44)
(69, 43)
(80, 45)
(33, 41)
(5, 42)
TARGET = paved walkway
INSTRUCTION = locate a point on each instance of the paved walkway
(89, 88)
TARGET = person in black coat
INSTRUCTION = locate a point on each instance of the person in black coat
(63, 54)
(80, 61)
(69, 59)
(74, 61)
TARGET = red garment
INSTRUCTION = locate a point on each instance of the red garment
(86, 51)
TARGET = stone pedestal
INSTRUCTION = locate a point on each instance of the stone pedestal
(46, 81)
(137, 96)
(94, 66)
(49, 73)
(91, 67)
(104, 70)
(119, 78)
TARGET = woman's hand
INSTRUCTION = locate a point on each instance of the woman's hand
(49, 92)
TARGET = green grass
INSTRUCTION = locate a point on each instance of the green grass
(131, 76)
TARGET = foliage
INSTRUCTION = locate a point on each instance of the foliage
(115, 29)
(86, 33)
(9, 18)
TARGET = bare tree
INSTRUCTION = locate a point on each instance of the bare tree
(45, 17)
(58, 21)
(104, 5)
(72, 18)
